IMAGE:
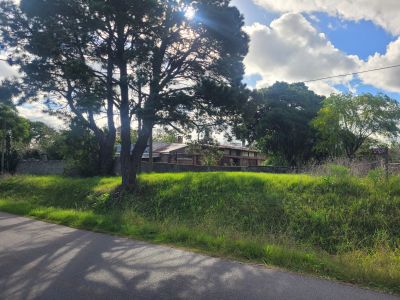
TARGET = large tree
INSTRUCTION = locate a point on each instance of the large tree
(346, 122)
(171, 60)
(52, 43)
(278, 120)
(177, 63)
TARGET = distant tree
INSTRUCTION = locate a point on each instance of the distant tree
(211, 155)
(14, 131)
(346, 122)
(165, 136)
(208, 152)
(278, 120)
(43, 140)
(53, 44)
(80, 150)
(41, 134)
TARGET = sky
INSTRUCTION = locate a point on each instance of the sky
(300, 40)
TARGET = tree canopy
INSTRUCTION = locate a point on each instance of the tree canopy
(346, 122)
(278, 120)
(52, 43)
(13, 128)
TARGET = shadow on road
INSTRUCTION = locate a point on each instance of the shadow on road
(43, 261)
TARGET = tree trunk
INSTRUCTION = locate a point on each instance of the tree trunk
(137, 154)
(128, 176)
(151, 159)
(2, 157)
(3, 148)
(130, 158)
(106, 159)
(107, 144)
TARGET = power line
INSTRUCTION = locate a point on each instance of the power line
(355, 73)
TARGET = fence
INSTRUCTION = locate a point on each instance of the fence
(57, 167)
(174, 168)
(39, 167)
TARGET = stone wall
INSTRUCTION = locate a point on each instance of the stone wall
(172, 168)
(57, 167)
(38, 167)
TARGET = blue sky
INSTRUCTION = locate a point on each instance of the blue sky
(362, 38)
(331, 36)
(254, 13)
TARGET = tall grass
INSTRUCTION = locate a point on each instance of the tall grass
(336, 225)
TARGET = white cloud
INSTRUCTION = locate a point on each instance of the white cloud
(384, 79)
(35, 112)
(314, 18)
(384, 13)
(6, 71)
(292, 50)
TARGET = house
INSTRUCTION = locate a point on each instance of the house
(179, 153)
(241, 156)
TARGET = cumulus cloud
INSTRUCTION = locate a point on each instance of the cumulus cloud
(6, 71)
(384, 13)
(35, 112)
(291, 49)
(386, 79)
(32, 111)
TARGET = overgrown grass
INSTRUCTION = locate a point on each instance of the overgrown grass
(336, 226)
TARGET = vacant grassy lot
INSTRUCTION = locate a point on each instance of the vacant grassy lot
(336, 226)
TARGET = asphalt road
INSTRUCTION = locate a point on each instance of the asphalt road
(45, 261)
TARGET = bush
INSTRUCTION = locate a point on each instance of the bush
(377, 176)
(337, 171)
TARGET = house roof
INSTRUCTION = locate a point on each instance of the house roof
(234, 147)
(165, 148)
(158, 148)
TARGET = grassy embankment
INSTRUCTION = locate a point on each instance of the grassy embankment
(336, 226)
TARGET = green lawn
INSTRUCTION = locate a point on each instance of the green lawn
(336, 226)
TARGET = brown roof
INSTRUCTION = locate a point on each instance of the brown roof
(238, 148)
(167, 148)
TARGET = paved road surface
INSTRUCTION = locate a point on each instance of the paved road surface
(46, 261)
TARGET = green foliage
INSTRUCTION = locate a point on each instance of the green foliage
(275, 160)
(338, 225)
(12, 124)
(278, 118)
(208, 151)
(14, 134)
(211, 156)
(377, 176)
(8, 90)
(346, 122)
(44, 140)
(337, 171)
(165, 136)
(79, 147)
